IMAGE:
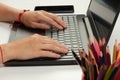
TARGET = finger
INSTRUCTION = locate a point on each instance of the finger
(51, 41)
(40, 25)
(50, 21)
(49, 54)
(45, 40)
(56, 18)
(54, 48)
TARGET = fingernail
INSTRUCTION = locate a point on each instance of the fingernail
(65, 26)
(58, 56)
(66, 50)
(61, 27)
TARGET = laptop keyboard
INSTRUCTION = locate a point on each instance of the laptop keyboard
(70, 36)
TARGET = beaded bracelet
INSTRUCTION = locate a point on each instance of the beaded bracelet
(20, 15)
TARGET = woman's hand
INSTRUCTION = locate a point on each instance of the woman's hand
(42, 19)
(33, 47)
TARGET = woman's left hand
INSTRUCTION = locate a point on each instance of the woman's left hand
(42, 19)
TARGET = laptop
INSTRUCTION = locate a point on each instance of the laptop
(99, 21)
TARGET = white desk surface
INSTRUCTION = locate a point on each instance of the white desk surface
(67, 72)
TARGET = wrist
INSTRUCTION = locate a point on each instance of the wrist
(16, 14)
(6, 53)
(20, 15)
(1, 55)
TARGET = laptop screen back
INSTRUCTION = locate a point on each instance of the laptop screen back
(104, 14)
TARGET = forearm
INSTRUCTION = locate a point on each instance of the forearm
(8, 13)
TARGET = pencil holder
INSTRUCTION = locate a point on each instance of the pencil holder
(97, 63)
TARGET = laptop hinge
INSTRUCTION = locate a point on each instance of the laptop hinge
(88, 28)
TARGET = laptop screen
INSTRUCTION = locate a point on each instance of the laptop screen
(103, 14)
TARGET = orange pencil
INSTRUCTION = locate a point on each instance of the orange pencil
(91, 56)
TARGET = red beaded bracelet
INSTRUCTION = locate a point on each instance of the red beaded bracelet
(1, 53)
(20, 15)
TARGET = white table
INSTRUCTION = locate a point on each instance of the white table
(66, 72)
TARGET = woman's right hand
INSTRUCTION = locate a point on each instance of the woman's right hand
(33, 47)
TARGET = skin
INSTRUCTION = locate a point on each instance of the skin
(35, 45)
